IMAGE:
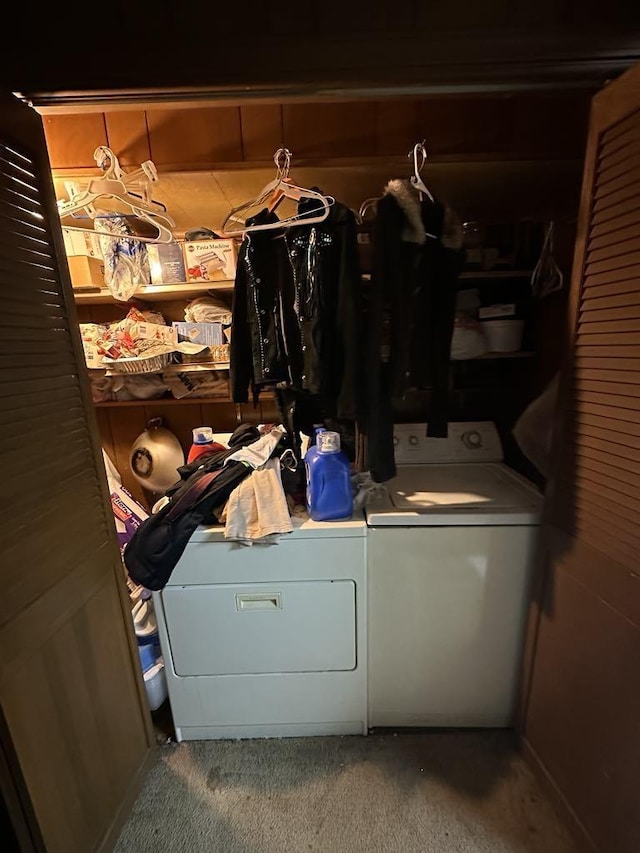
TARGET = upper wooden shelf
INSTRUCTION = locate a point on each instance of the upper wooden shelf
(487, 275)
(155, 292)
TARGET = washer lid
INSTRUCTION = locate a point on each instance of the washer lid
(470, 494)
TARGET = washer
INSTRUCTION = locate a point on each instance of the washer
(451, 546)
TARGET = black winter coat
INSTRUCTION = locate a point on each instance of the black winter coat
(410, 315)
(296, 312)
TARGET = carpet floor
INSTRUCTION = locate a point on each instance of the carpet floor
(453, 792)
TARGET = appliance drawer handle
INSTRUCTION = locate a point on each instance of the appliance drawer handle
(258, 601)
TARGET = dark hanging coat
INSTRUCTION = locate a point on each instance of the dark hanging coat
(297, 317)
(410, 314)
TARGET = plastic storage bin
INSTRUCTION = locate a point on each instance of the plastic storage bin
(503, 335)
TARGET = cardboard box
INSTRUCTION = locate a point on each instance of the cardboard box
(210, 260)
(86, 271)
(155, 332)
(79, 243)
(207, 334)
(128, 515)
(166, 262)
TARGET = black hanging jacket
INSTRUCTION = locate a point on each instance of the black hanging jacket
(410, 314)
(296, 310)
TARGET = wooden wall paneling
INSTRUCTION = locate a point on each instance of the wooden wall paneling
(330, 129)
(467, 126)
(128, 136)
(221, 417)
(269, 411)
(396, 127)
(551, 126)
(106, 434)
(261, 131)
(72, 139)
(181, 420)
(194, 138)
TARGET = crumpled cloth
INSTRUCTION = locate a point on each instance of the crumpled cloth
(257, 511)
(258, 452)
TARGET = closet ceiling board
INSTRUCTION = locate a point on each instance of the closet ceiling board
(128, 137)
(196, 137)
(71, 140)
(360, 15)
(70, 688)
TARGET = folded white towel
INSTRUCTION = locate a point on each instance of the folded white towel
(257, 510)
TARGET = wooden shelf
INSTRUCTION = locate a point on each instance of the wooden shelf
(481, 275)
(156, 292)
(496, 355)
(488, 275)
(164, 401)
(200, 367)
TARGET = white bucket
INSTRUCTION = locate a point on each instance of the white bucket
(503, 335)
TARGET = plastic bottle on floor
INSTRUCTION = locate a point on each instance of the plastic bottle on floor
(329, 494)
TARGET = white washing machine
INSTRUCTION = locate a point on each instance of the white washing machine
(451, 547)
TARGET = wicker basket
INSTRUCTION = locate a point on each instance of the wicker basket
(141, 364)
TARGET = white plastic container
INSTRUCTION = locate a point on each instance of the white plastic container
(155, 682)
(503, 335)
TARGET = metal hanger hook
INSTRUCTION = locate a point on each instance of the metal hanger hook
(282, 159)
(418, 149)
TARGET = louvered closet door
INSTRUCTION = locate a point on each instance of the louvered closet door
(582, 719)
(70, 692)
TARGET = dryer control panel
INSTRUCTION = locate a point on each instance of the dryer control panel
(473, 441)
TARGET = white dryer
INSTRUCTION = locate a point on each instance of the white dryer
(451, 547)
(267, 641)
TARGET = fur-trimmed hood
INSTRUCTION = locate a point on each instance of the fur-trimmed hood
(408, 199)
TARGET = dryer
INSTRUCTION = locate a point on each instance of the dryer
(268, 640)
(451, 546)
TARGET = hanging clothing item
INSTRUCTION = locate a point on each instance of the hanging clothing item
(296, 311)
(417, 257)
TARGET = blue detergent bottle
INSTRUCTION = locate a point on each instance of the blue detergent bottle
(329, 495)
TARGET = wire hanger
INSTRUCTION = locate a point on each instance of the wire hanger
(419, 150)
(277, 190)
(116, 184)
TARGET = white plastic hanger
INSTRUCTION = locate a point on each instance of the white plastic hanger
(416, 179)
(279, 188)
(115, 184)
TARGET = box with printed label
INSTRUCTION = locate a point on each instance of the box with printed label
(210, 260)
(166, 263)
(82, 243)
(207, 334)
(155, 332)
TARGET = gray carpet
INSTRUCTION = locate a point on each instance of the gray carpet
(454, 792)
